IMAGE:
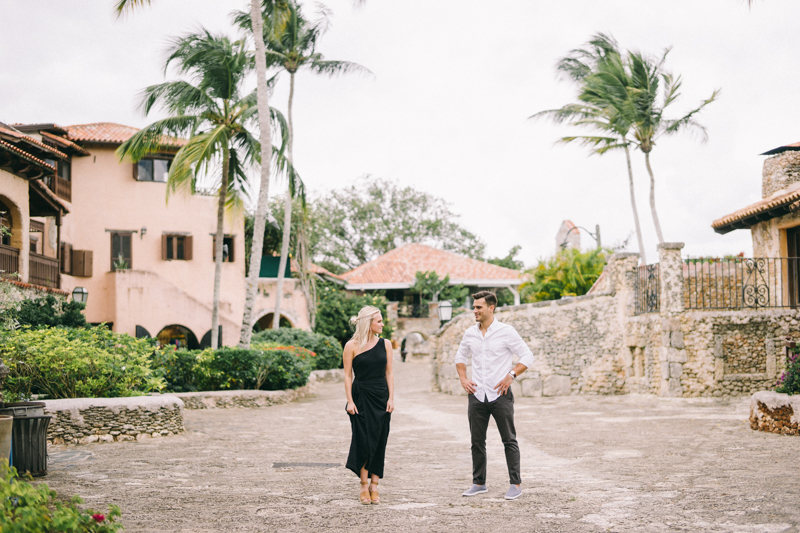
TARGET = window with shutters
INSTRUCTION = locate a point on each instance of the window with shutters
(176, 247)
(121, 257)
(228, 251)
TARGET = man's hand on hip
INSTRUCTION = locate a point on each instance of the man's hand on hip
(504, 384)
(469, 385)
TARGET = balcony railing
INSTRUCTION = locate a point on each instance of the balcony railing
(9, 260)
(741, 283)
(44, 271)
(61, 187)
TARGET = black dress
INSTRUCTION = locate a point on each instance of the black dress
(371, 425)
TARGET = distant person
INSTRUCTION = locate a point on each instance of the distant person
(403, 351)
(370, 399)
(492, 346)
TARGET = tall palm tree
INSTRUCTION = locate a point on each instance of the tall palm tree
(212, 112)
(600, 73)
(265, 129)
(291, 48)
(646, 108)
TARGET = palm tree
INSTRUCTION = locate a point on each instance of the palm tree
(265, 129)
(599, 71)
(211, 111)
(293, 48)
(646, 111)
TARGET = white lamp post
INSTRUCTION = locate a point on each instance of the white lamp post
(80, 295)
(445, 311)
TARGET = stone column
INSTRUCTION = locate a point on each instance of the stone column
(672, 354)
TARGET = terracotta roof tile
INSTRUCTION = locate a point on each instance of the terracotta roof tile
(30, 140)
(765, 209)
(399, 266)
(66, 142)
(110, 133)
(26, 155)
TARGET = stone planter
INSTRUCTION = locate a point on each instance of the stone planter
(775, 412)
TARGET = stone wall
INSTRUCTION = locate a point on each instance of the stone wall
(87, 420)
(780, 172)
(775, 413)
(595, 344)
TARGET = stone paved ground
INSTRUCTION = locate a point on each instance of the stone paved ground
(631, 463)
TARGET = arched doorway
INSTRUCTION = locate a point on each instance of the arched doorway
(178, 336)
(6, 223)
(265, 322)
(409, 342)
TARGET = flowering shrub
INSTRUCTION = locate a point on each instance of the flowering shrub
(36, 509)
(76, 363)
(790, 380)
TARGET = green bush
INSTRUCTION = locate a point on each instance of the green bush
(76, 363)
(36, 509)
(46, 312)
(335, 307)
(790, 380)
(264, 367)
(569, 273)
(328, 350)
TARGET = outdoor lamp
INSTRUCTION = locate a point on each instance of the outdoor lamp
(445, 311)
(80, 295)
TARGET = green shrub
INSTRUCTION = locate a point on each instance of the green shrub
(328, 350)
(46, 312)
(569, 273)
(77, 363)
(265, 367)
(36, 509)
(335, 307)
(790, 380)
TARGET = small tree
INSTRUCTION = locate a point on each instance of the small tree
(433, 289)
(569, 273)
(335, 307)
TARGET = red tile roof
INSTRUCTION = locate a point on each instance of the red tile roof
(784, 148)
(30, 140)
(110, 133)
(765, 209)
(396, 269)
(65, 142)
(25, 155)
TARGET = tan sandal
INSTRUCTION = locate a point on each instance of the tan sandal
(374, 496)
(364, 497)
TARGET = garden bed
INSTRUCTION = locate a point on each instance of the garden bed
(775, 412)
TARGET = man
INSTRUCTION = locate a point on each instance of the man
(492, 346)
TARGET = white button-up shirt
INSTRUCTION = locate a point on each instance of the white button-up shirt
(492, 356)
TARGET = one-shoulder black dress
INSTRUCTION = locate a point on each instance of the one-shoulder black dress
(371, 425)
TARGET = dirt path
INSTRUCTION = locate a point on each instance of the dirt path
(632, 463)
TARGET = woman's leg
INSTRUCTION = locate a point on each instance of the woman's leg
(373, 489)
(364, 496)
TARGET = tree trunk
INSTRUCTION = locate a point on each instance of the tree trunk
(265, 129)
(287, 214)
(223, 193)
(307, 281)
(633, 207)
(653, 198)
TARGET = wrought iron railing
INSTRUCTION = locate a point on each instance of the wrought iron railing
(646, 289)
(741, 283)
(44, 271)
(9, 260)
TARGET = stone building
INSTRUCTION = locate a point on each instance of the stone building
(568, 236)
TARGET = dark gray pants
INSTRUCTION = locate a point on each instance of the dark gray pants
(502, 409)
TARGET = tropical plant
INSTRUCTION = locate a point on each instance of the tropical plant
(265, 131)
(647, 101)
(335, 307)
(328, 350)
(431, 288)
(509, 261)
(28, 508)
(77, 363)
(569, 273)
(212, 112)
(602, 80)
(291, 49)
(46, 312)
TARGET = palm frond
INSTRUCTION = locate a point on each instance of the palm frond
(123, 7)
(157, 137)
(334, 68)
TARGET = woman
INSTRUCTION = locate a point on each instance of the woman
(370, 399)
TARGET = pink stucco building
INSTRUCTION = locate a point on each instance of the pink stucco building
(147, 265)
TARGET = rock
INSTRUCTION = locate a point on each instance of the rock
(557, 386)
(532, 387)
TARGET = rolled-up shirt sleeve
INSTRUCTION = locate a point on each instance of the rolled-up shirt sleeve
(462, 356)
(520, 349)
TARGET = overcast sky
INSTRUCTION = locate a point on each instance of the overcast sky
(447, 109)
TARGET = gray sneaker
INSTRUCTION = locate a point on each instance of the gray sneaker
(513, 493)
(474, 490)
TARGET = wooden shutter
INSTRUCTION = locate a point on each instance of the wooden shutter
(230, 249)
(136, 171)
(66, 258)
(164, 247)
(82, 263)
(188, 246)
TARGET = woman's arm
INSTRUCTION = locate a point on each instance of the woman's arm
(347, 359)
(389, 376)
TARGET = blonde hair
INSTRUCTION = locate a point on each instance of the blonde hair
(362, 324)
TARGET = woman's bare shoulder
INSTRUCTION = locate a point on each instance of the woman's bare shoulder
(387, 343)
(349, 345)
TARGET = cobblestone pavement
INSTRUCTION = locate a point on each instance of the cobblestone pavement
(624, 463)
